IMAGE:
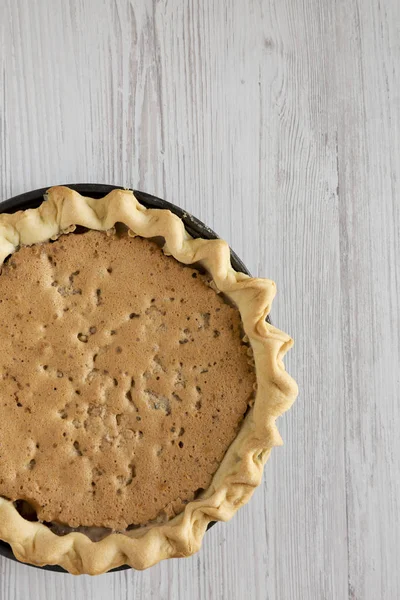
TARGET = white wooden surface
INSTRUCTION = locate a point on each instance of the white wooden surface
(277, 122)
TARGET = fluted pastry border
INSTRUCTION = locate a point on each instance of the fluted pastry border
(241, 469)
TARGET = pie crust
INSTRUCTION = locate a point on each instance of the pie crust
(241, 469)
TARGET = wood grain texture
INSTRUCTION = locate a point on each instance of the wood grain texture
(278, 124)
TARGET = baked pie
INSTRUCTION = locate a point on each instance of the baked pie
(139, 383)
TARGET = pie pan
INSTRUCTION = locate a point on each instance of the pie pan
(194, 227)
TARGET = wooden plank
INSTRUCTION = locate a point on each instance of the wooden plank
(305, 500)
(369, 151)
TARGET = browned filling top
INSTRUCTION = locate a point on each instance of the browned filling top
(123, 380)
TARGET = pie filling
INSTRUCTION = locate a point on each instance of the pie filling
(124, 378)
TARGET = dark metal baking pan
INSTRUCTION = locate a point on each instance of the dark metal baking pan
(195, 227)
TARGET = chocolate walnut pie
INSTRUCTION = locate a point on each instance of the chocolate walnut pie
(139, 383)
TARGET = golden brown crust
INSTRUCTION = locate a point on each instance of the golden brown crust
(241, 469)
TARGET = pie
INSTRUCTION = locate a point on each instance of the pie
(139, 383)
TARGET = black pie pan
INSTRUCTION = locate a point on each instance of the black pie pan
(195, 227)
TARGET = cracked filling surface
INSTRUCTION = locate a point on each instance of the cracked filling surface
(123, 381)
